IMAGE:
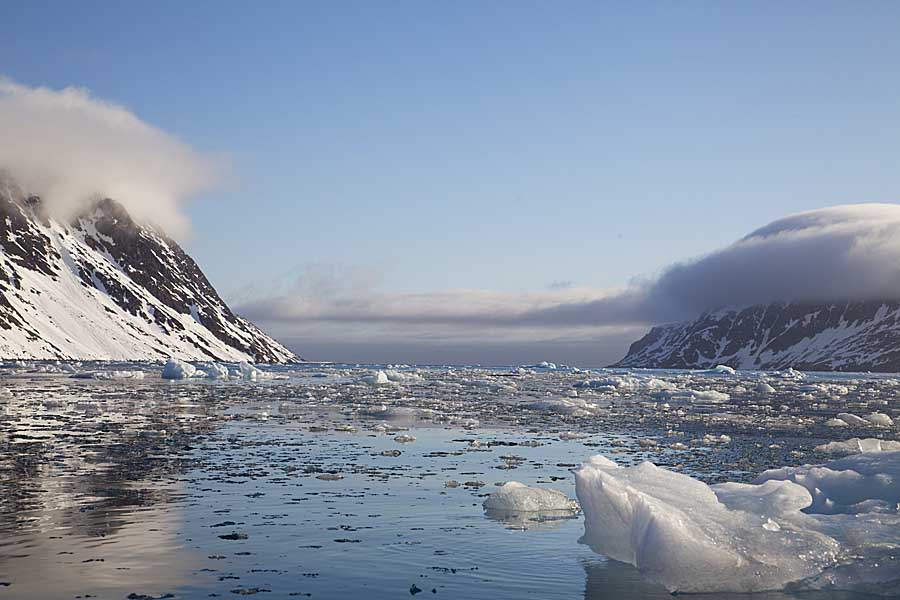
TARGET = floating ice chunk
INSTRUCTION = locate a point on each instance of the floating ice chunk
(178, 369)
(709, 396)
(721, 370)
(764, 388)
(691, 537)
(711, 440)
(375, 378)
(109, 375)
(566, 406)
(515, 496)
(404, 438)
(401, 376)
(792, 373)
(848, 485)
(215, 371)
(852, 420)
(251, 373)
(836, 423)
(879, 419)
(542, 365)
(858, 446)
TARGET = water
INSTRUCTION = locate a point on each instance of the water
(290, 488)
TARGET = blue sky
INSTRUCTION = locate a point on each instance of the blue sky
(489, 145)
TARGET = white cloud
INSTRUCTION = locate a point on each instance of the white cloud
(70, 147)
(842, 253)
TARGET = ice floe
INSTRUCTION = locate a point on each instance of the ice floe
(515, 496)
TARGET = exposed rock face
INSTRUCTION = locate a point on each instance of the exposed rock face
(849, 336)
(101, 286)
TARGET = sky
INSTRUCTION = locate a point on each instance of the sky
(475, 158)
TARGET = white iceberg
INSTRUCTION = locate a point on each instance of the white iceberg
(215, 371)
(178, 369)
(831, 527)
(375, 378)
(251, 373)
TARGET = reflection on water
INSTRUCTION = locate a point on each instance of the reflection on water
(610, 579)
(89, 491)
(544, 519)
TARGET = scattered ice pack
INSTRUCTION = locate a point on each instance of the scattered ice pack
(831, 527)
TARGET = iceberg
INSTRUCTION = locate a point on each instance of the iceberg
(829, 527)
(178, 369)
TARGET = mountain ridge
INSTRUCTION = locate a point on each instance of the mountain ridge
(100, 286)
(839, 336)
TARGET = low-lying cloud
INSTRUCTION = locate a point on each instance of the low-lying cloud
(70, 147)
(834, 254)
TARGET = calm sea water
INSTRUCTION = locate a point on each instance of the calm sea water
(291, 488)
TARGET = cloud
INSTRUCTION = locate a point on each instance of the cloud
(70, 147)
(834, 254)
(849, 252)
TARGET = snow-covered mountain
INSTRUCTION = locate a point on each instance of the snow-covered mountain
(848, 336)
(101, 286)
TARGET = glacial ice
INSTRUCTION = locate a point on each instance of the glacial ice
(830, 527)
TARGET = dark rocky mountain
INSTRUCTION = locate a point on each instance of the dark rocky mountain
(102, 286)
(847, 336)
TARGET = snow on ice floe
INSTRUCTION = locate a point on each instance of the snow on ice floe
(829, 527)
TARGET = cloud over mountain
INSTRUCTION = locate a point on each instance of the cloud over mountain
(849, 252)
(70, 147)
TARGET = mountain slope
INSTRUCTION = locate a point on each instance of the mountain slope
(849, 336)
(101, 286)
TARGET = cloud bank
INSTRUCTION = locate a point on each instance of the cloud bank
(70, 147)
(849, 252)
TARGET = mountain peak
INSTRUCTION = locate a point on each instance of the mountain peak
(106, 287)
